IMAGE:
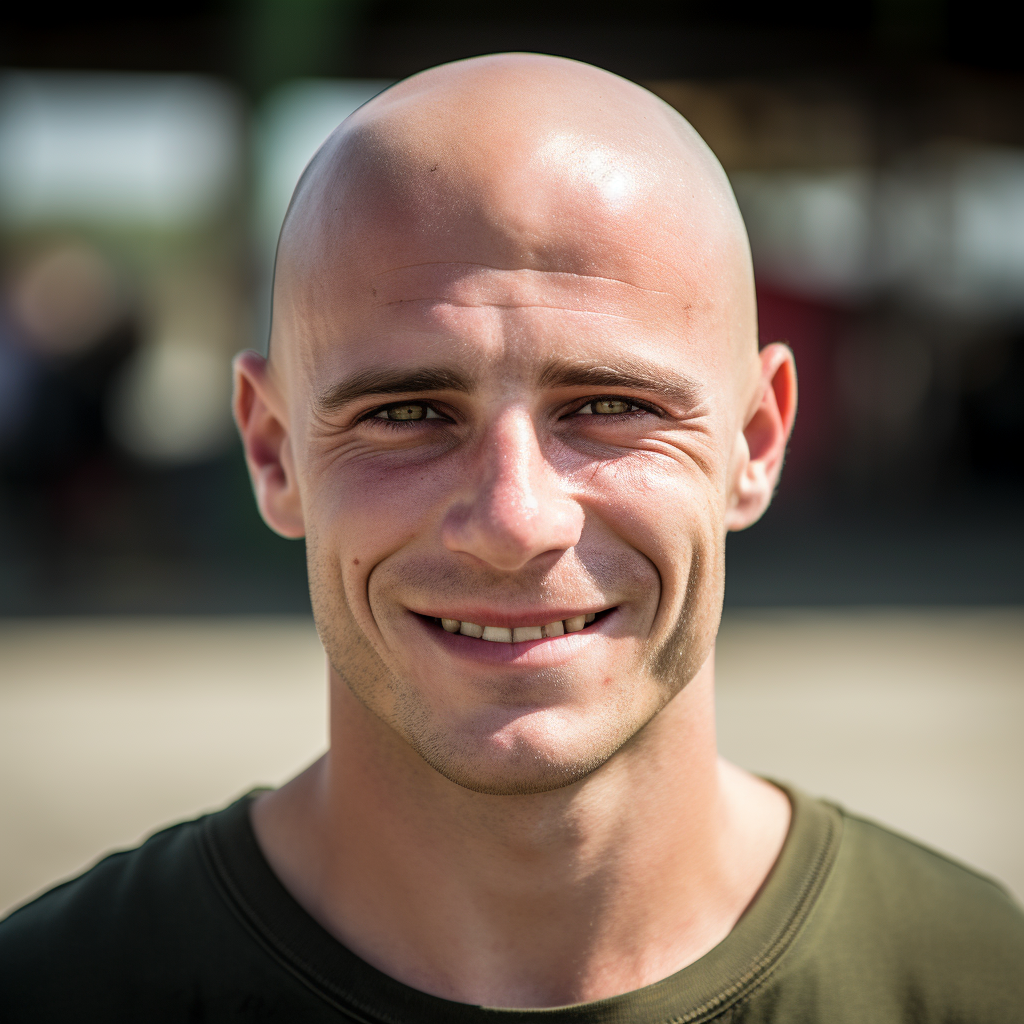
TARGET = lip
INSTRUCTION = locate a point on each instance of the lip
(534, 653)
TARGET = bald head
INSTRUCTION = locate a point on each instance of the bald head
(514, 162)
(515, 380)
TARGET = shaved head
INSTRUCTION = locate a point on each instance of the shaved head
(516, 162)
(514, 383)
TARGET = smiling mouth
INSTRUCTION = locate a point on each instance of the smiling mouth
(519, 634)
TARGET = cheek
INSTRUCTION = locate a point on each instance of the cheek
(362, 511)
(658, 506)
(673, 515)
(357, 515)
(365, 503)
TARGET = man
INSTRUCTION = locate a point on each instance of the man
(514, 402)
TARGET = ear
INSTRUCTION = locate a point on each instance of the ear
(261, 421)
(761, 447)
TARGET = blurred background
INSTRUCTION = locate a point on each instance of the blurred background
(147, 154)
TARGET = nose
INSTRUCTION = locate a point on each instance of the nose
(516, 507)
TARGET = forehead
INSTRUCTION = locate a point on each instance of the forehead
(494, 331)
(399, 251)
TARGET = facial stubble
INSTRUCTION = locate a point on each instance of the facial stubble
(520, 769)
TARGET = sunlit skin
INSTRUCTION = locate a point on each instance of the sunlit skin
(514, 379)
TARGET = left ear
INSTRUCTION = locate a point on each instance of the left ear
(761, 447)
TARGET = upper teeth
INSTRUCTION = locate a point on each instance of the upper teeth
(516, 634)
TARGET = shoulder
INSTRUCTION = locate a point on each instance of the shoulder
(125, 926)
(922, 892)
(121, 890)
(903, 932)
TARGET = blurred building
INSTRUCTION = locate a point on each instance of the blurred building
(146, 158)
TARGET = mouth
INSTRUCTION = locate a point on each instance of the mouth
(518, 634)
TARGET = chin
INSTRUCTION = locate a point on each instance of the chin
(515, 761)
(517, 780)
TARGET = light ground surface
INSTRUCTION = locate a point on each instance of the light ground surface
(109, 728)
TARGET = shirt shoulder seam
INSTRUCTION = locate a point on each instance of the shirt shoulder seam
(930, 851)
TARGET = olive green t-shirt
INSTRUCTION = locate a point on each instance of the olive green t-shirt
(853, 924)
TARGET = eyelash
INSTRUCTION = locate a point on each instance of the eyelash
(374, 414)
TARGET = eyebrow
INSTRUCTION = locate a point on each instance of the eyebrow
(627, 374)
(392, 382)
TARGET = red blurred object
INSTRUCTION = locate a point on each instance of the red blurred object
(811, 329)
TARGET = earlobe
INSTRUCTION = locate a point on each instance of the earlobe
(264, 431)
(761, 447)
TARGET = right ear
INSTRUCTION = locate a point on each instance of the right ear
(262, 423)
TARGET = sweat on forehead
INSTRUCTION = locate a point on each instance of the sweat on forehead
(516, 162)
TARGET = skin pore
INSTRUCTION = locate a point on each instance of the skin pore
(514, 380)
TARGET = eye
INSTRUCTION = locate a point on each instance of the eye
(608, 407)
(407, 411)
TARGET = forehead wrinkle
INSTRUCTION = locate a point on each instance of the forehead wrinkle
(518, 270)
(478, 285)
(438, 301)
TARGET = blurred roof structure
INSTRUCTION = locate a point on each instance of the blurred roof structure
(261, 43)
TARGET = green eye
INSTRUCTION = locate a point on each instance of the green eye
(611, 406)
(607, 407)
(413, 411)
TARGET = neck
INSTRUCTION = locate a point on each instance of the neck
(569, 896)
